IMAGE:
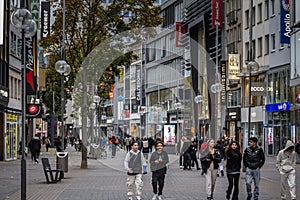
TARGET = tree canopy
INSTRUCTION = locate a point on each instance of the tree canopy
(88, 24)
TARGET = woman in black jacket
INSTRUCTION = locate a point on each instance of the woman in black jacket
(233, 168)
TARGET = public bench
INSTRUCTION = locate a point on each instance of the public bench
(52, 175)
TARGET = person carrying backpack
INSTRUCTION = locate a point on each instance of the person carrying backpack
(145, 148)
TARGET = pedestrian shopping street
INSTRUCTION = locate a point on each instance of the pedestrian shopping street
(105, 179)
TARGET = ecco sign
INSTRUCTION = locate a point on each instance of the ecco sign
(258, 89)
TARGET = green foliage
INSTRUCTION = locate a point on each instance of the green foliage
(88, 24)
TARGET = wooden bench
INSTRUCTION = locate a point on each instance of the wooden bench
(52, 175)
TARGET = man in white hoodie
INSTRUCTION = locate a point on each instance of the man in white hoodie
(135, 164)
(286, 163)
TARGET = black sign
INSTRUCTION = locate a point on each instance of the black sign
(45, 19)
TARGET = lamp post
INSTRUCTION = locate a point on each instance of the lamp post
(198, 99)
(96, 100)
(177, 107)
(21, 19)
(64, 69)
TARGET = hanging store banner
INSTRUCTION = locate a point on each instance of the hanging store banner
(31, 65)
(278, 107)
(138, 90)
(223, 82)
(285, 28)
(217, 13)
(45, 19)
(233, 67)
(180, 31)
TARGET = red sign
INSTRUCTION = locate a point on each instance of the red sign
(180, 31)
(217, 13)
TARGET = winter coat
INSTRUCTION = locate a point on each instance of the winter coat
(206, 160)
(234, 161)
(254, 157)
(286, 161)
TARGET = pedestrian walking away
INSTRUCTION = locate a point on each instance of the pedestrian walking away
(286, 165)
(253, 160)
(35, 148)
(158, 166)
(210, 159)
(233, 168)
(134, 163)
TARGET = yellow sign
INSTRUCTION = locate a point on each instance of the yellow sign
(11, 118)
(192, 129)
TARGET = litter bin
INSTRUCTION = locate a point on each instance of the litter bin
(62, 161)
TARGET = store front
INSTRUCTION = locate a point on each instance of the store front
(278, 129)
(11, 137)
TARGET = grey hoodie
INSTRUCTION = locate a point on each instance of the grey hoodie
(286, 161)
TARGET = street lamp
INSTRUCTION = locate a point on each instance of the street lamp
(198, 99)
(64, 69)
(96, 100)
(177, 107)
(21, 18)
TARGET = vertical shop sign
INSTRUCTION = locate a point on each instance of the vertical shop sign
(217, 14)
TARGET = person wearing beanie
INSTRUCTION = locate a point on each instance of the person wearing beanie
(253, 160)
(158, 166)
(286, 165)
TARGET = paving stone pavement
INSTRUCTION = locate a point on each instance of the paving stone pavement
(105, 179)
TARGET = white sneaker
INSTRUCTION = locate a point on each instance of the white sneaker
(154, 197)
(130, 198)
(159, 197)
(181, 167)
(138, 198)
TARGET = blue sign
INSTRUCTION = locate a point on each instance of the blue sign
(285, 28)
(278, 107)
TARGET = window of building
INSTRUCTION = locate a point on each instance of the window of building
(178, 12)
(267, 44)
(266, 9)
(259, 47)
(247, 50)
(253, 48)
(238, 4)
(234, 98)
(239, 30)
(272, 7)
(253, 16)
(247, 19)
(273, 42)
(259, 13)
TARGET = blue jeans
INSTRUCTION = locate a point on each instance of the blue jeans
(252, 174)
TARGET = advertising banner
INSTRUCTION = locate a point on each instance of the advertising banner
(285, 28)
(233, 67)
(138, 90)
(45, 19)
(217, 13)
(31, 65)
(169, 134)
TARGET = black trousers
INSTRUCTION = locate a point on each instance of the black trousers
(194, 160)
(187, 161)
(158, 180)
(233, 180)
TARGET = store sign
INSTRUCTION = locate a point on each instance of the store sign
(223, 82)
(217, 13)
(285, 25)
(278, 107)
(258, 88)
(138, 90)
(233, 67)
(45, 19)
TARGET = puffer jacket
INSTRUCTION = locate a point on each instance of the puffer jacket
(234, 161)
(286, 161)
(254, 157)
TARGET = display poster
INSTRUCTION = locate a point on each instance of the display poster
(169, 134)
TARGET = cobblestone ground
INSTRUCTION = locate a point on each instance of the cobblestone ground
(105, 180)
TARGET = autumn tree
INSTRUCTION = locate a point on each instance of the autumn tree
(88, 24)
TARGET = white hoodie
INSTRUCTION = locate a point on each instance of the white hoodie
(286, 161)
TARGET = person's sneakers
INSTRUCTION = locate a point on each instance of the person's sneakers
(159, 197)
(138, 198)
(222, 172)
(130, 198)
(154, 197)
(181, 167)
